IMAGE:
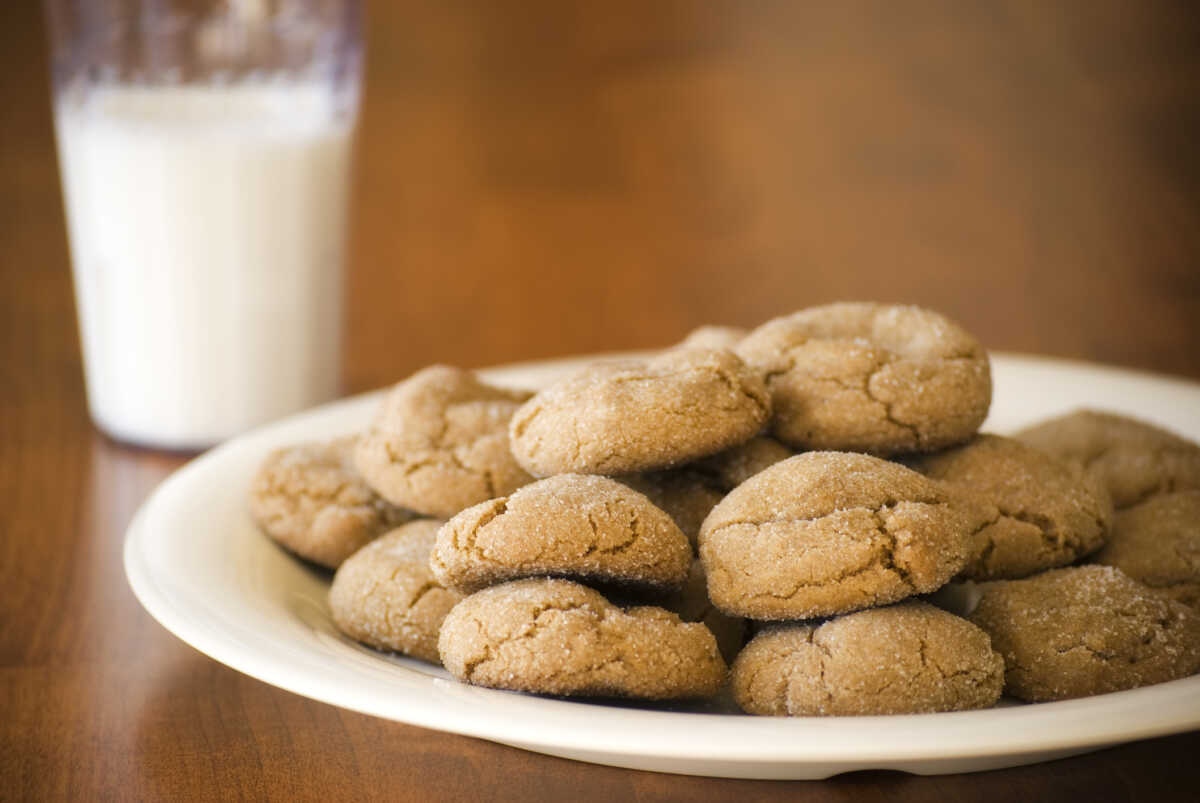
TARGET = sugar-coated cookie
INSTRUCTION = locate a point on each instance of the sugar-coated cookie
(687, 496)
(439, 443)
(730, 468)
(385, 596)
(1157, 543)
(824, 533)
(1132, 459)
(908, 658)
(1047, 513)
(640, 415)
(552, 636)
(311, 500)
(1086, 630)
(875, 378)
(574, 525)
(693, 605)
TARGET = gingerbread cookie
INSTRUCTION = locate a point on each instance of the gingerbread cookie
(874, 378)
(385, 596)
(569, 525)
(1047, 512)
(909, 658)
(640, 415)
(311, 500)
(551, 636)
(823, 533)
(1086, 630)
(439, 443)
(1132, 459)
(1157, 543)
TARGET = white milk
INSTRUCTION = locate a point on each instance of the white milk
(207, 227)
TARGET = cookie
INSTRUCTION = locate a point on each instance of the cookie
(714, 337)
(640, 415)
(385, 596)
(873, 378)
(910, 658)
(1132, 459)
(1086, 630)
(1047, 513)
(551, 636)
(824, 533)
(311, 500)
(687, 496)
(1157, 543)
(569, 525)
(439, 443)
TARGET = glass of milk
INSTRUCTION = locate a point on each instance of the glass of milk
(204, 148)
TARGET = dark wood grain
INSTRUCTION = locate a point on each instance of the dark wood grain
(547, 178)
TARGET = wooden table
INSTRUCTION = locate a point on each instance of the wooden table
(546, 178)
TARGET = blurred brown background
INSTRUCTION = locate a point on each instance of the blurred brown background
(542, 178)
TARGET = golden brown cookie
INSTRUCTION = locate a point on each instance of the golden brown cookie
(385, 596)
(1132, 459)
(714, 337)
(312, 501)
(909, 658)
(823, 533)
(1157, 543)
(572, 525)
(1086, 630)
(1047, 513)
(874, 378)
(551, 636)
(640, 415)
(439, 443)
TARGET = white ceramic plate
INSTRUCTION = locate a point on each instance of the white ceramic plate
(199, 566)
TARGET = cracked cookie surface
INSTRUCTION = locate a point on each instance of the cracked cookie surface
(551, 636)
(311, 500)
(824, 533)
(573, 525)
(1086, 630)
(908, 658)
(385, 596)
(1047, 512)
(1132, 459)
(439, 443)
(1158, 543)
(868, 377)
(641, 415)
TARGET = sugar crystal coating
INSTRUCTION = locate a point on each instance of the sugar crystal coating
(1086, 630)
(867, 377)
(385, 596)
(823, 533)
(439, 443)
(1047, 513)
(907, 658)
(552, 636)
(640, 415)
(572, 525)
(311, 500)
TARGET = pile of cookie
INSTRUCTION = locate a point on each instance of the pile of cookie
(769, 512)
